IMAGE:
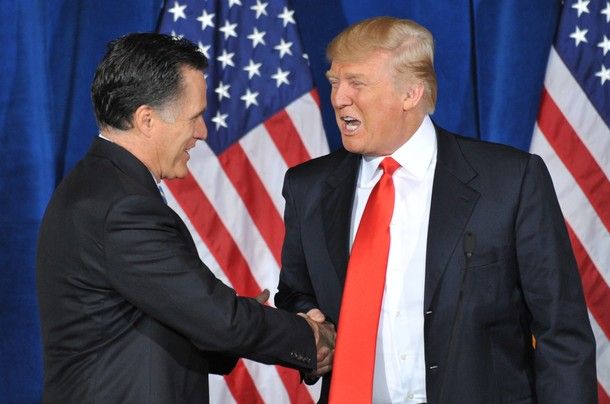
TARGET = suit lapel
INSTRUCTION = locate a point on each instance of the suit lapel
(337, 201)
(452, 204)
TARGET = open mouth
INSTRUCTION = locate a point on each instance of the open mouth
(351, 123)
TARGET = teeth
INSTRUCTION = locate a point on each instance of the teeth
(351, 123)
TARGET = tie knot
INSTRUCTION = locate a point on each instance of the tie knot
(389, 165)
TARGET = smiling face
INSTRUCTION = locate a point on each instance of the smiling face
(374, 113)
(181, 125)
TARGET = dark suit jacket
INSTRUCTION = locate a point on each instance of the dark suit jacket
(129, 312)
(522, 278)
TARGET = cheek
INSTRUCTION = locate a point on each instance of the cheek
(376, 119)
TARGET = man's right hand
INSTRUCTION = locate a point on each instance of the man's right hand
(325, 336)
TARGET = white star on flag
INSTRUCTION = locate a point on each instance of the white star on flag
(249, 98)
(228, 29)
(280, 77)
(259, 8)
(206, 20)
(178, 11)
(220, 120)
(253, 69)
(287, 16)
(606, 11)
(603, 74)
(582, 6)
(284, 48)
(226, 58)
(234, 2)
(257, 37)
(204, 49)
(579, 35)
(605, 45)
(222, 90)
(176, 36)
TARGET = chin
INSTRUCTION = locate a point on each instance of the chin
(351, 146)
(180, 170)
(180, 174)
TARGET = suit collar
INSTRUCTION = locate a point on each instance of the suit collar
(125, 162)
(337, 203)
(451, 157)
(453, 202)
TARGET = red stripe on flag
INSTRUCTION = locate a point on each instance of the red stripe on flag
(316, 96)
(242, 386)
(286, 139)
(576, 157)
(242, 174)
(597, 292)
(214, 234)
(296, 390)
(603, 397)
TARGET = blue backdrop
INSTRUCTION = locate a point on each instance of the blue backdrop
(490, 61)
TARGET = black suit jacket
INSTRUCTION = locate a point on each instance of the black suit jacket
(479, 320)
(129, 312)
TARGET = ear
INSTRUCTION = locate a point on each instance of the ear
(144, 120)
(413, 96)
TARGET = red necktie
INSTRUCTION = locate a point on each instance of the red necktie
(354, 361)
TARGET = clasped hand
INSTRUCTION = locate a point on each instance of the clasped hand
(325, 335)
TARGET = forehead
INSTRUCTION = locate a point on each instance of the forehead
(373, 63)
(194, 88)
(193, 81)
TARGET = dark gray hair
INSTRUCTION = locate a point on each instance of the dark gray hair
(141, 69)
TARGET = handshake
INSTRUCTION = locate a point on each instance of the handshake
(325, 335)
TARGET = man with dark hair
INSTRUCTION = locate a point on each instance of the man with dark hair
(129, 312)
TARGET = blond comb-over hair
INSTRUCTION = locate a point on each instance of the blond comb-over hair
(410, 44)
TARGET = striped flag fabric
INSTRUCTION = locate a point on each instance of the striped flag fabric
(263, 117)
(572, 134)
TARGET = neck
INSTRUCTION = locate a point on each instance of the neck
(135, 143)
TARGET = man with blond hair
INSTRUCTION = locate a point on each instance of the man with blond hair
(453, 250)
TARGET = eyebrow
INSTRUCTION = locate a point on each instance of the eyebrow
(349, 76)
(198, 113)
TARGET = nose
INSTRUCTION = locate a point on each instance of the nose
(340, 96)
(201, 132)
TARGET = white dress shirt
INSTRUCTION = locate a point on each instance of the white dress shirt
(400, 371)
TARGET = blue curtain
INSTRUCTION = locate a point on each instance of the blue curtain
(490, 61)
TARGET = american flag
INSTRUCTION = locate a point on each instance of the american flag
(572, 135)
(263, 117)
